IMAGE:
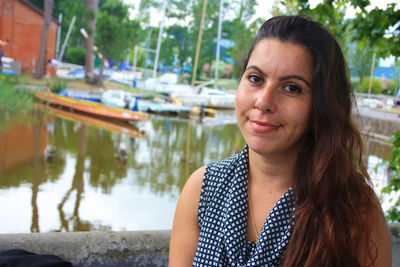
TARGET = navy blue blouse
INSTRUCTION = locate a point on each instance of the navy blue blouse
(222, 216)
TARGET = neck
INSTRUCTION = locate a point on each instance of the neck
(277, 171)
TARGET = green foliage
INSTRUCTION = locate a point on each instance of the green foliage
(177, 43)
(13, 101)
(115, 33)
(355, 81)
(359, 57)
(13, 98)
(76, 55)
(381, 28)
(393, 214)
(57, 85)
(376, 88)
(69, 9)
(393, 87)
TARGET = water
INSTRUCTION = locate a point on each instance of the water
(62, 173)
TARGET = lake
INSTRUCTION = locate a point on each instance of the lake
(64, 173)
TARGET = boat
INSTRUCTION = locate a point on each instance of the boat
(207, 97)
(161, 106)
(164, 108)
(92, 108)
(166, 84)
(114, 126)
(174, 109)
(83, 95)
(118, 99)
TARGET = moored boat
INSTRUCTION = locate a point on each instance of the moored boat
(82, 95)
(207, 97)
(93, 108)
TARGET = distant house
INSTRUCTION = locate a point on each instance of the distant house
(21, 27)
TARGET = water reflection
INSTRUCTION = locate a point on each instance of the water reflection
(76, 171)
(86, 177)
(36, 170)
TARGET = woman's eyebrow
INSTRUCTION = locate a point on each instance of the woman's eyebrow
(255, 68)
(284, 78)
(297, 77)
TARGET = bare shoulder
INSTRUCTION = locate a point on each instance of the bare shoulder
(185, 228)
(379, 244)
(193, 184)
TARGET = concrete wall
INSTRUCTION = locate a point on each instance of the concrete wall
(377, 123)
(118, 249)
(395, 238)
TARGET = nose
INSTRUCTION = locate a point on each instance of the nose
(266, 99)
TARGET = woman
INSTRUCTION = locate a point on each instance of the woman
(298, 194)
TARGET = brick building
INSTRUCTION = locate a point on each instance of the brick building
(21, 26)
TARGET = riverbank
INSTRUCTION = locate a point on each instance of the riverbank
(118, 249)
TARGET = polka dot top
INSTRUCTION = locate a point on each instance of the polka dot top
(222, 216)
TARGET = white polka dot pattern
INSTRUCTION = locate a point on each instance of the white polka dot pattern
(222, 216)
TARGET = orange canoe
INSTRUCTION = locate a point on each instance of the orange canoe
(114, 126)
(92, 108)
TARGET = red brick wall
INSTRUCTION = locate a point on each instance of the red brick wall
(22, 27)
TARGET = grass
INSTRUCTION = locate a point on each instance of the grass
(74, 84)
(14, 103)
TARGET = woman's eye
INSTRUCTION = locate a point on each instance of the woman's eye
(254, 78)
(292, 89)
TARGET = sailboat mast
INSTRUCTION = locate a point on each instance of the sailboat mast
(221, 6)
(196, 59)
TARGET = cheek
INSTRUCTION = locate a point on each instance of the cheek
(241, 98)
(301, 114)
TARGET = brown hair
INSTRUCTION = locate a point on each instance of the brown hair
(332, 186)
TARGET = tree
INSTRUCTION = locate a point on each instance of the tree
(116, 33)
(69, 9)
(91, 6)
(359, 58)
(41, 62)
(177, 43)
(241, 33)
(380, 28)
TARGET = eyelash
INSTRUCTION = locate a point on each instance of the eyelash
(258, 80)
(297, 89)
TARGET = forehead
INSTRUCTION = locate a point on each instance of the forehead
(286, 57)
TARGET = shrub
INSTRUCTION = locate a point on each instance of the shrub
(393, 214)
(391, 90)
(76, 55)
(57, 86)
(376, 88)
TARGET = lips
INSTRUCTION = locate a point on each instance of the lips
(263, 126)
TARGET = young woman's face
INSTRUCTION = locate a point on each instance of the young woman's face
(273, 102)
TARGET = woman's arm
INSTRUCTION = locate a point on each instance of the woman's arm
(185, 229)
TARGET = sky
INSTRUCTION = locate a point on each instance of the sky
(264, 8)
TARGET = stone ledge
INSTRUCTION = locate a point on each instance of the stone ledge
(89, 249)
(118, 249)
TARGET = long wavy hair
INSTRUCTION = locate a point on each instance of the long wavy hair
(332, 190)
